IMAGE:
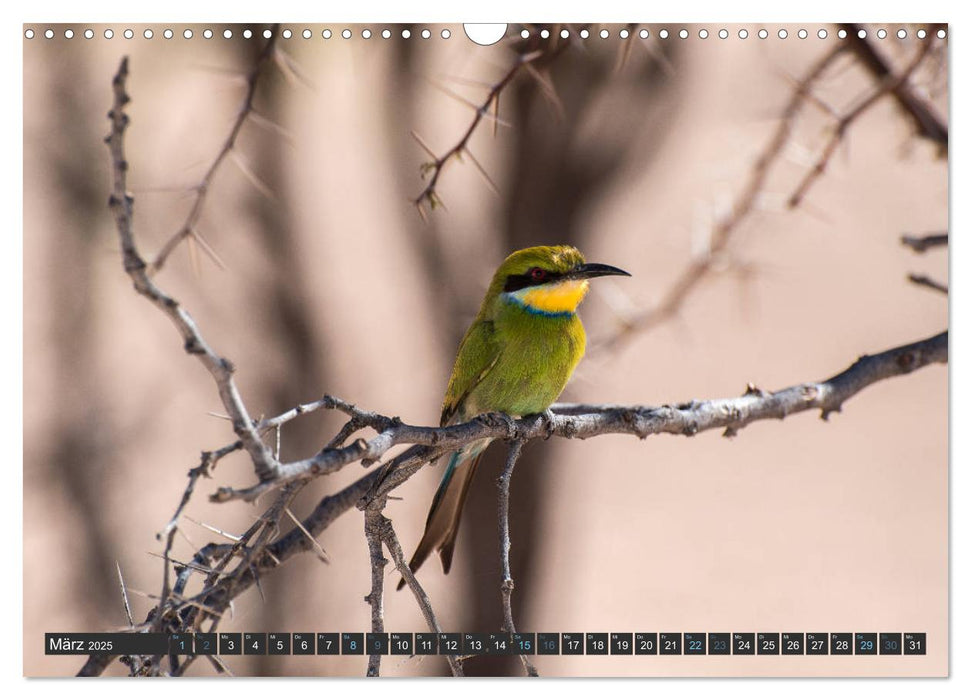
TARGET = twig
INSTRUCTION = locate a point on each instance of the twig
(507, 585)
(920, 244)
(928, 123)
(437, 164)
(742, 207)
(925, 281)
(188, 228)
(398, 555)
(889, 85)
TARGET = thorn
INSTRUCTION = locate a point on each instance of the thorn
(425, 147)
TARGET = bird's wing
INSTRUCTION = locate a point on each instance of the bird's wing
(478, 354)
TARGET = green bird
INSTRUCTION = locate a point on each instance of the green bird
(515, 358)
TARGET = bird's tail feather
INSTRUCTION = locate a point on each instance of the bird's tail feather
(445, 514)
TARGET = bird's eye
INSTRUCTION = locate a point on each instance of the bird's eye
(537, 274)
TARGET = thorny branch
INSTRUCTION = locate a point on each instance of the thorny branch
(929, 125)
(433, 169)
(189, 228)
(231, 569)
(928, 122)
(889, 84)
(743, 206)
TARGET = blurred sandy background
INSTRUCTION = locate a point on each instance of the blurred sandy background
(333, 284)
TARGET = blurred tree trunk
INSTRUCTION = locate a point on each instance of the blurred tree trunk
(84, 442)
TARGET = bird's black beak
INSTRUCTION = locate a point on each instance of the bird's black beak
(588, 270)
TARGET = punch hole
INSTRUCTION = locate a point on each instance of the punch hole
(643, 34)
(624, 33)
(487, 34)
(901, 33)
(822, 34)
(446, 34)
(306, 34)
(405, 33)
(267, 33)
(128, 34)
(207, 34)
(881, 34)
(187, 34)
(227, 34)
(346, 34)
(89, 34)
(703, 33)
(425, 34)
(49, 34)
(783, 34)
(247, 34)
(941, 34)
(802, 34)
(386, 34)
(327, 34)
(841, 33)
(683, 34)
(524, 34)
(109, 33)
(68, 33)
(29, 34)
(287, 34)
(663, 33)
(743, 33)
(604, 33)
(366, 33)
(763, 34)
(921, 34)
(545, 34)
(861, 34)
(148, 34)
(722, 33)
(564, 34)
(585, 33)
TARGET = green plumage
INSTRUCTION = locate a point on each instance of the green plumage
(515, 358)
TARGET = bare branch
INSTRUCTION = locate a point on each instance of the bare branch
(681, 419)
(202, 189)
(122, 206)
(507, 585)
(920, 244)
(928, 122)
(925, 281)
(488, 108)
(394, 547)
(742, 207)
(889, 85)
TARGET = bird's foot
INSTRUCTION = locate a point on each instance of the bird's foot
(549, 423)
(497, 418)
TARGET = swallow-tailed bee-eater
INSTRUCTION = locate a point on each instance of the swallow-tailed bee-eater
(515, 358)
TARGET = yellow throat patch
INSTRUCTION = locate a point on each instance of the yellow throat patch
(557, 298)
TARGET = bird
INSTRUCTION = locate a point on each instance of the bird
(515, 358)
